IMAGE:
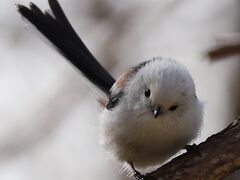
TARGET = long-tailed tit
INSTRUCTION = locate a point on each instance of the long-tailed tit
(152, 110)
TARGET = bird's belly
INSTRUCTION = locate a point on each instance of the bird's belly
(149, 152)
(147, 144)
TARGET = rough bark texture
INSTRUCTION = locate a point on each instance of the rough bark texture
(219, 156)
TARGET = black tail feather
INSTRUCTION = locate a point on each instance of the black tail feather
(60, 32)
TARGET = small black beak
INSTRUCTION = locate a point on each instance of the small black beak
(156, 111)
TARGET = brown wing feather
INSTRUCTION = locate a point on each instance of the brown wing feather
(117, 89)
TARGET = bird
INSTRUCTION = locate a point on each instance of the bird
(149, 113)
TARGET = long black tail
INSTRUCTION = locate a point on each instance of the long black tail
(59, 31)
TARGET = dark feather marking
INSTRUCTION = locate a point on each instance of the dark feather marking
(60, 32)
(114, 100)
(120, 84)
(117, 89)
(141, 65)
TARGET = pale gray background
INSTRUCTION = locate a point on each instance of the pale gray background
(48, 113)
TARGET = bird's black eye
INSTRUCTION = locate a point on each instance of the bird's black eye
(173, 108)
(147, 93)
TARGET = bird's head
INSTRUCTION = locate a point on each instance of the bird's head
(160, 88)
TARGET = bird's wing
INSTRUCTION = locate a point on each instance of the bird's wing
(56, 28)
(118, 87)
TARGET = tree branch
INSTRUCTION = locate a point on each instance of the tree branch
(219, 157)
(224, 51)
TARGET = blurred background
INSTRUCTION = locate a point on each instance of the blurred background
(49, 114)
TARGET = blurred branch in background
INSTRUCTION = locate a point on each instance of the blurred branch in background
(224, 51)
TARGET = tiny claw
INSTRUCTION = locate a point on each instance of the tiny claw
(137, 174)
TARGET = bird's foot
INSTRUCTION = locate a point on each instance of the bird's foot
(138, 175)
(193, 149)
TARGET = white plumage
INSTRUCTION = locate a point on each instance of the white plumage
(132, 134)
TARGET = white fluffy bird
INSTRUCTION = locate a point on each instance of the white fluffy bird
(152, 110)
(151, 114)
